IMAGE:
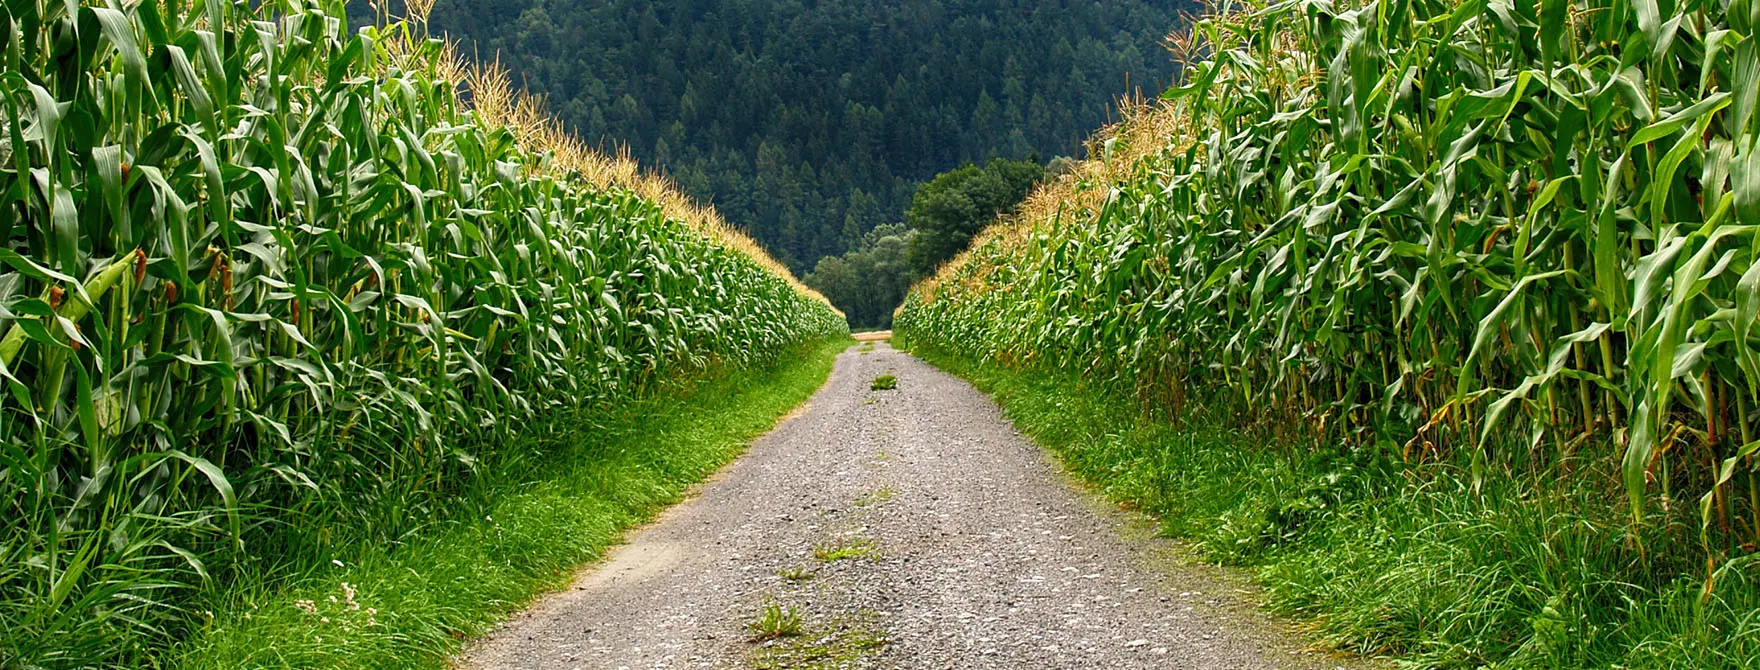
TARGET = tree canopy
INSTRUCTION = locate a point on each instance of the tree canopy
(869, 281)
(955, 205)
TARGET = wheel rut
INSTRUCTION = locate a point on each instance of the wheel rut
(907, 528)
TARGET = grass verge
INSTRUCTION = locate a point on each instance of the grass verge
(525, 532)
(1536, 571)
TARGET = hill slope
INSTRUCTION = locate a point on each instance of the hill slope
(808, 123)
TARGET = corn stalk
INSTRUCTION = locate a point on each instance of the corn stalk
(265, 273)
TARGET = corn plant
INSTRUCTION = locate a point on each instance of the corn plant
(1492, 229)
(264, 275)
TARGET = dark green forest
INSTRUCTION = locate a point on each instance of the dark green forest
(809, 123)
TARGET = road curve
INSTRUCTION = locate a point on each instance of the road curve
(935, 536)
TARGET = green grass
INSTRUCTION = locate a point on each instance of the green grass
(777, 621)
(883, 383)
(842, 643)
(876, 497)
(796, 574)
(846, 548)
(523, 534)
(1537, 572)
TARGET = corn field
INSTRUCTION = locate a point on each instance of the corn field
(264, 273)
(1505, 231)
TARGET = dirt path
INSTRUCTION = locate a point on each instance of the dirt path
(912, 528)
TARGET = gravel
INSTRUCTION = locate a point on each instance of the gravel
(972, 550)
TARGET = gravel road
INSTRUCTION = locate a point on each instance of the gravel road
(911, 528)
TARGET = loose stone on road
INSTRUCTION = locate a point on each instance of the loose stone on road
(908, 528)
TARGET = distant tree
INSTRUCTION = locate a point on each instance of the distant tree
(863, 214)
(955, 205)
(867, 282)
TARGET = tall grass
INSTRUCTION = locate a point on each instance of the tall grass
(271, 287)
(1517, 234)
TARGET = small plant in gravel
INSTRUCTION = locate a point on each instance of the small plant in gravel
(846, 547)
(777, 621)
(883, 383)
(841, 645)
(796, 574)
(875, 497)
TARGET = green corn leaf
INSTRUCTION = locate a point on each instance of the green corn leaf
(1678, 120)
(120, 31)
(1724, 472)
(1488, 326)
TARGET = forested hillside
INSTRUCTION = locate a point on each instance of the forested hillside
(809, 123)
